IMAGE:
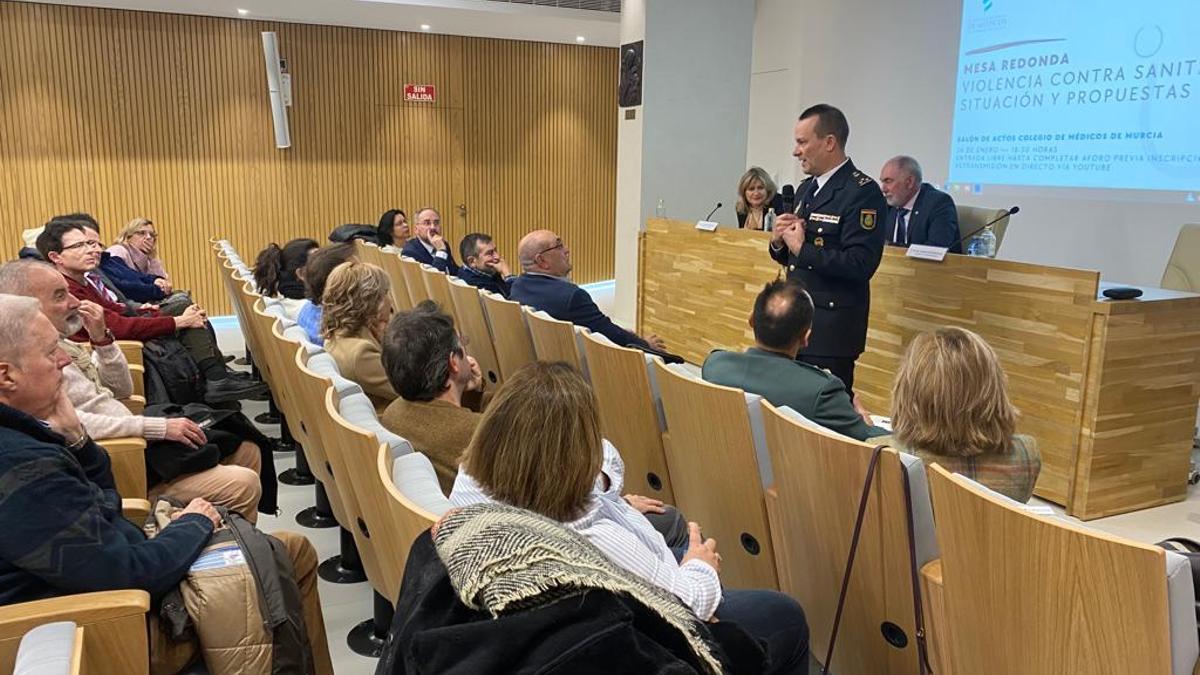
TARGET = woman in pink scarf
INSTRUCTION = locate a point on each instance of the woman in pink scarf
(137, 245)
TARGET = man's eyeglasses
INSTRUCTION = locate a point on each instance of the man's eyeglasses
(83, 244)
(547, 250)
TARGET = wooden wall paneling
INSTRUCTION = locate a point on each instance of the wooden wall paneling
(123, 113)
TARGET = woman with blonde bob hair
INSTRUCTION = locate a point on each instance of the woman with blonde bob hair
(355, 309)
(538, 447)
(137, 245)
(755, 191)
(950, 405)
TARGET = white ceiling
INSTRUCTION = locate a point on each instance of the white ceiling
(476, 18)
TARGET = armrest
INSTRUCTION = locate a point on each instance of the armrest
(128, 457)
(137, 373)
(132, 349)
(135, 510)
(136, 403)
(114, 624)
(933, 597)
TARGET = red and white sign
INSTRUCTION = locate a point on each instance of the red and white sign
(420, 93)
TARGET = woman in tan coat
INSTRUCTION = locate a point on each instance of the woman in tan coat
(355, 310)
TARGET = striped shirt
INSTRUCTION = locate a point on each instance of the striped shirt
(625, 536)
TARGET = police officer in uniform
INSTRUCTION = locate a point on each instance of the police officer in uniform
(833, 242)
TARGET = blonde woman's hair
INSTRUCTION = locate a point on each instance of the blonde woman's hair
(756, 173)
(353, 294)
(951, 396)
(132, 226)
(538, 445)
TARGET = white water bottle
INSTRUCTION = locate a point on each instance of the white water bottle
(769, 220)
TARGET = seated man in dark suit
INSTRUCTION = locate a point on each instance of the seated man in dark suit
(782, 323)
(546, 261)
(918, 213)
(482, 265)
(428, 246)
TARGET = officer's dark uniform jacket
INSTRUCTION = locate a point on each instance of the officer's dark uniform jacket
(843, 243)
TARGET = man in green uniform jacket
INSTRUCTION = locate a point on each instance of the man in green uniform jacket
(782, 323)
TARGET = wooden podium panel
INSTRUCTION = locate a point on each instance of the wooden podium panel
(1108, 389)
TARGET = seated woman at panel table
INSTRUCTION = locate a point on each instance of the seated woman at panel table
(356, 308)
(950, 406)
(755, 192)
(316, 272)
(279, 272)
(538, 447)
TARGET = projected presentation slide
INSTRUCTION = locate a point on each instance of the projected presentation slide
(1068, 93)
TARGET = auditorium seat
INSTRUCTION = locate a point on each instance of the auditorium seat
(631, 413)
(411, 271)
(510, 333)
(1183, 268)
(971, 218)
(1016, 592)
(111, 625)
(812, 508)
(717, 457)
(472, 324)
(128, 457)
(437, 288)
(555, 340)
(401, 296)
(54, 648)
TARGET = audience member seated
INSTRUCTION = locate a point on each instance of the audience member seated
(137, 246)
(64, 531)
(538, 447)
(75, 254)
(546, 286)
(316, 272)
(756, 191)
(429, 246)
(279, 273)
(543, 599)
(950, 406)
(392, 229)
(134, 289)
(482, 265)
(782, 323)
(428, 366)
(182, 460)
(355, 310)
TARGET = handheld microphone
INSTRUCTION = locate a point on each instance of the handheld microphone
(789, 199)
(710, 213)
(1012, 210)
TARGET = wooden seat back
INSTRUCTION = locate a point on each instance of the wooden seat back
(629, 415)
(553, 340)
(472, 323)
(510, 333)
(715, 474)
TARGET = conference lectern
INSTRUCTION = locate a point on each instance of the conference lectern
(1108, 388)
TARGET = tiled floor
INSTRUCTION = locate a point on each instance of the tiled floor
(347, 605)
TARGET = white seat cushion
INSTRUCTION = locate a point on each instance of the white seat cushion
(46, 650)
(414, 476)
(359, 411)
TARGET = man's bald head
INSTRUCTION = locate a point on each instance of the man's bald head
(544, 252)
(782, 317)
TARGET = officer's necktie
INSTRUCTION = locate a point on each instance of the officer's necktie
(901, 227)
(806, 201)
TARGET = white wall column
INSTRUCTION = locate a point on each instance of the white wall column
(686, 144)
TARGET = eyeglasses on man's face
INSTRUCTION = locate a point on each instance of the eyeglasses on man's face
(86, 243)
(547, 250)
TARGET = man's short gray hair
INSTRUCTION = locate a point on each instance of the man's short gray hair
(14, 275)
(908, 165)
(17, 314)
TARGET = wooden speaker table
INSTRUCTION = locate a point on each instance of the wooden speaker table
(1108, 388)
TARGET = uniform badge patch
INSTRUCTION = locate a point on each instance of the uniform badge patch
(867, 219)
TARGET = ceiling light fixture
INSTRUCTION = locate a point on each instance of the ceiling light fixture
(243, 12)
(425, 26)
(580, 38)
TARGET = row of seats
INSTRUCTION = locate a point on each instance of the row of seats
(780, 494)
